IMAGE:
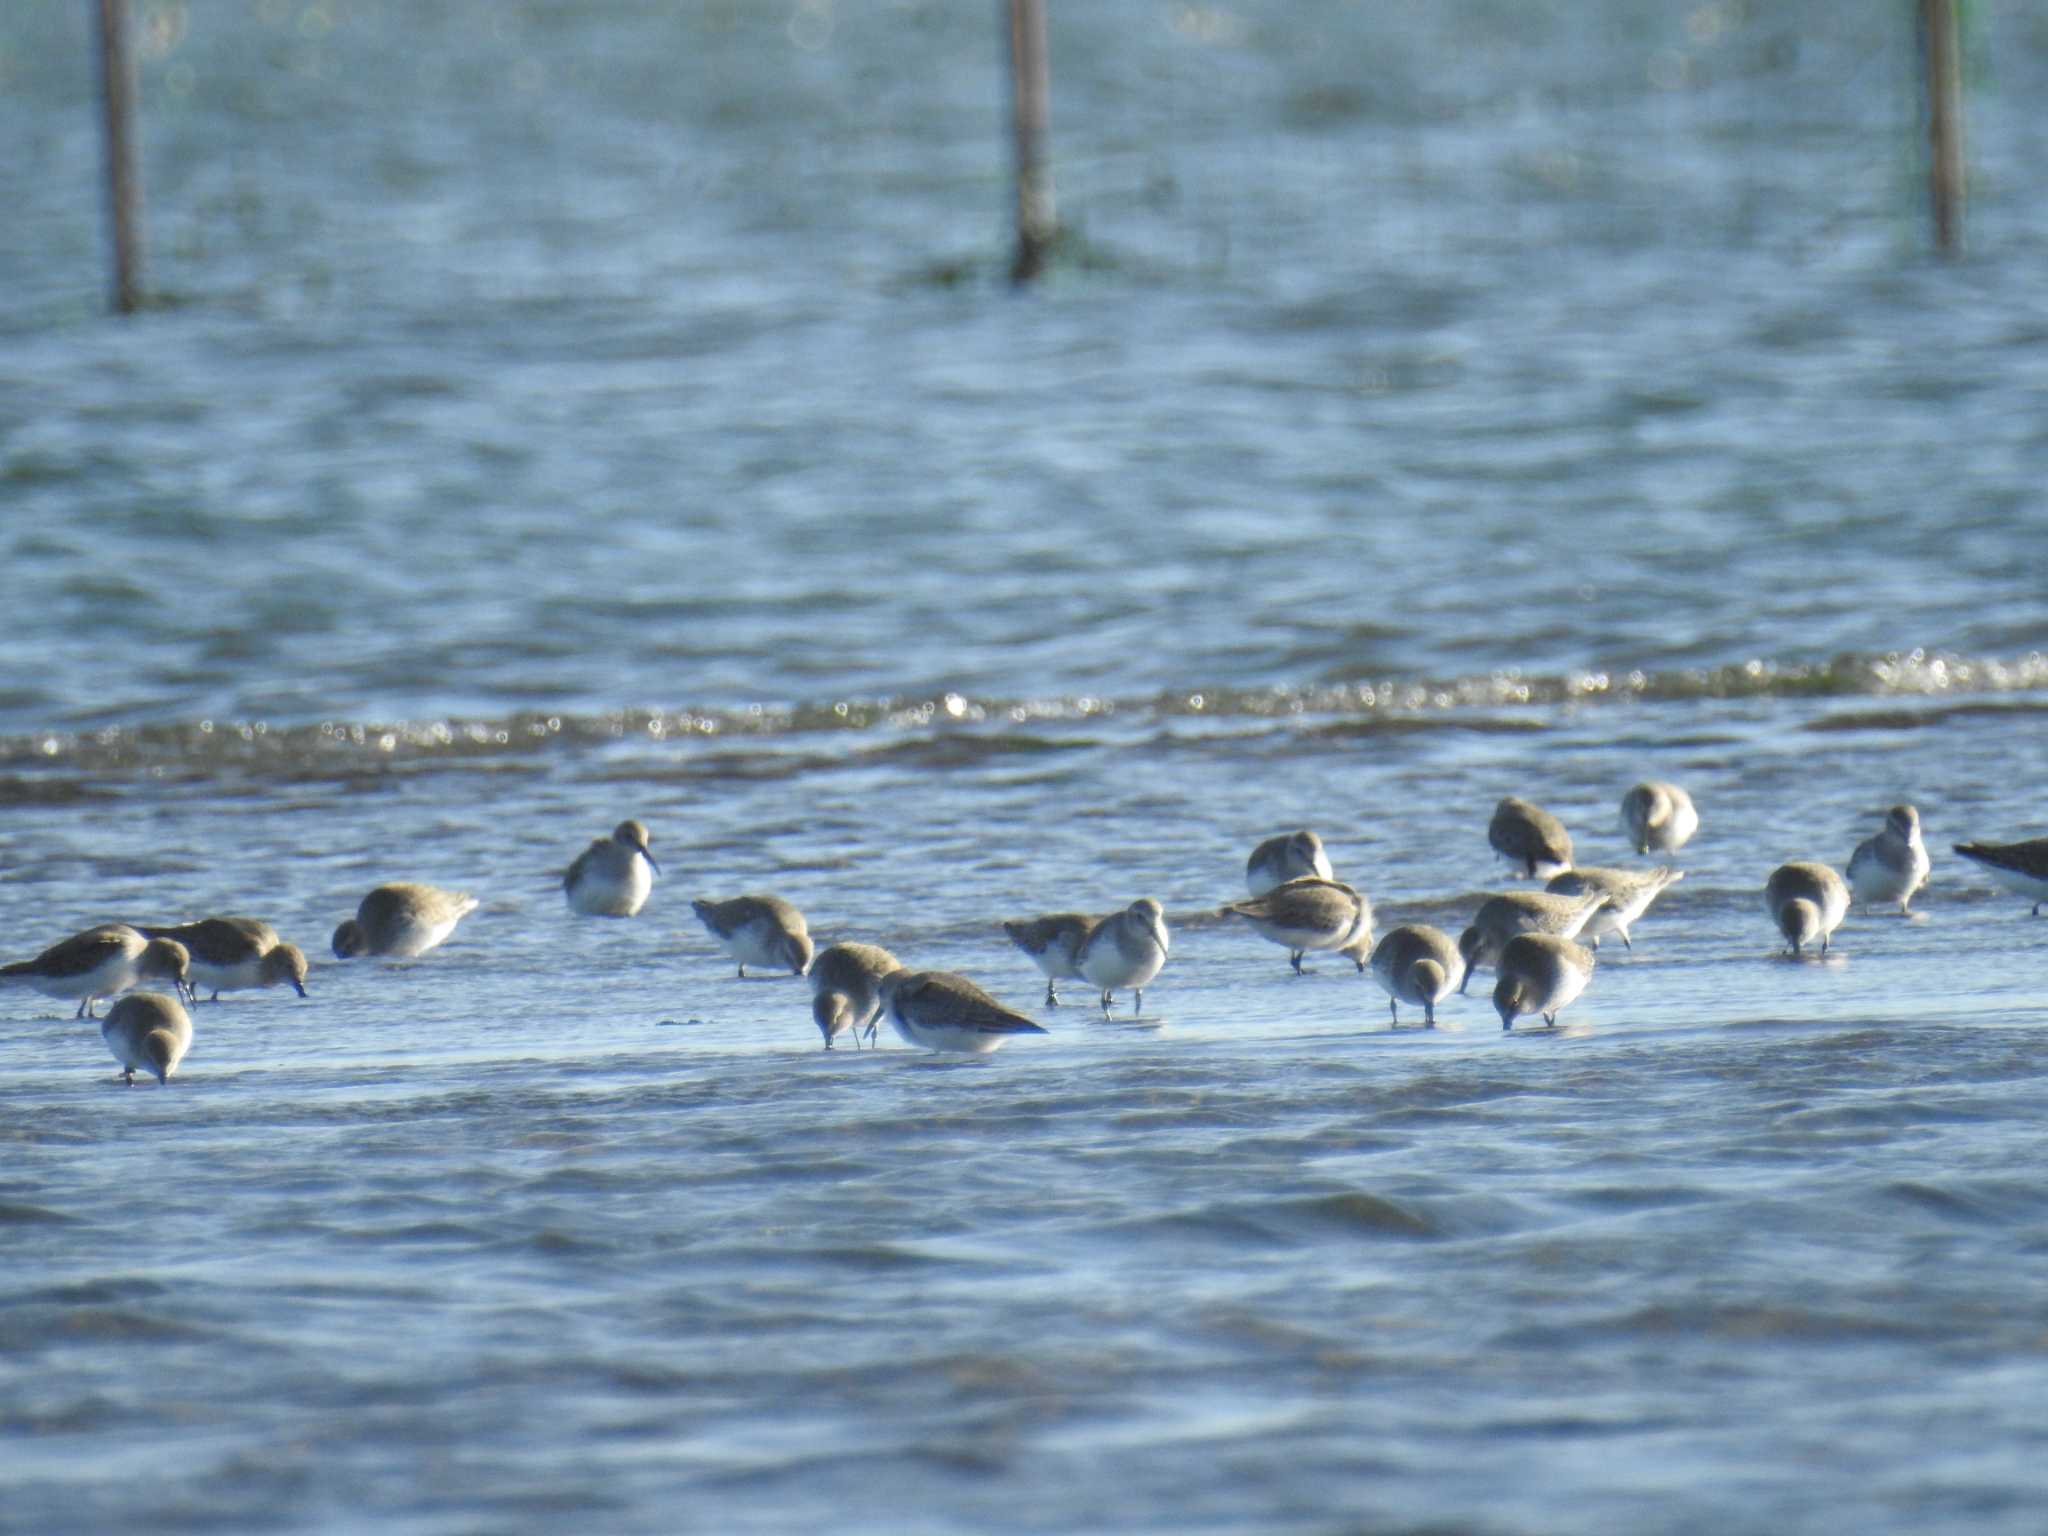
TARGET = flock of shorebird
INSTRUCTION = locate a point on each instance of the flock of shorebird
(1531, 940)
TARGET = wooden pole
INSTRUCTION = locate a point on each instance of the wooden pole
(124, 184)
(1942, 48)
(1030, 92)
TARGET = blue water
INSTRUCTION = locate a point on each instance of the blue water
(559, 413)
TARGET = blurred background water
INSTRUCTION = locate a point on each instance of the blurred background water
(559, 412)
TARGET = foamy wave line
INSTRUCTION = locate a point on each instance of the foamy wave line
(341, 745)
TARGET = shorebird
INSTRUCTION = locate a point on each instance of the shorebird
(1500, 918)
(401, 920)
(229, 954)
(1288, 857)
(2021, 867)
(1417, 964)
(1658, 817)
(1125, 949)
(941, 1011)
(758, 930)
(1539, 973)
(1892, 865)
(1629, 893)
(846, 990)
(149, 1032)
(614, 875)
(1530, 836)
(1807, 901)
(1309, 913)
(1052, 942)
(100, 962)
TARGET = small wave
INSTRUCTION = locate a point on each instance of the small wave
(1968, 1206)
(954, 728)
(13, 1215)
(130, 1325)
(1714, 1322)
(1345, 1213)
(24, 791)
(1629, 1198)
(1921, 719)
(958, 750)
(419, 1233)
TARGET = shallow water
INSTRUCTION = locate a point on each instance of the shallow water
(568, 413)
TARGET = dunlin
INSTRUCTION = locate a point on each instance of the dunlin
(758, 930)
(1288, 857)
(1629, 893)
(944, 1012)
(1530, 836)
(1419, 965)
(401, 920)
(1807, 901)
(1500, 918)
(1892, 865)
(233, 953)
(846, 989)
(613, 876)
(1052, 942)
(1539, 973)
(1308, 913)
(100, 962)
(2021, 867)
(149, 1032)
(1658, 817)
(1125, 949)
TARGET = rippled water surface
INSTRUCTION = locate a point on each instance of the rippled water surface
(560, 413)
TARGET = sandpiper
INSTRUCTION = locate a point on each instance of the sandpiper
(614, 875)
(1629, 893)
(1658, 817)
(1310, 913)
(401, 920)
(2021, 867)
(758, 930)
(1288, 857)
(1530, 836)
(846, 990)
(1539, 973)
(1807, 901)
(1052, 942)
(1892, 865)
(232, 953)
(1125, 949)
(1500, 918)
(1417, 964)
(98, 963)
(147, 1031)
(941, 1011)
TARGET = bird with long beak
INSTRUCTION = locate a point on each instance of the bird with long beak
(1539, 973)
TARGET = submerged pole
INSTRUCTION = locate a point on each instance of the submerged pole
(1941, 47)
(1030, 92)
(124, 184)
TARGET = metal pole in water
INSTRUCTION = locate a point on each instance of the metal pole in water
(124, 183)
(1941, 46)
(1030, 91)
